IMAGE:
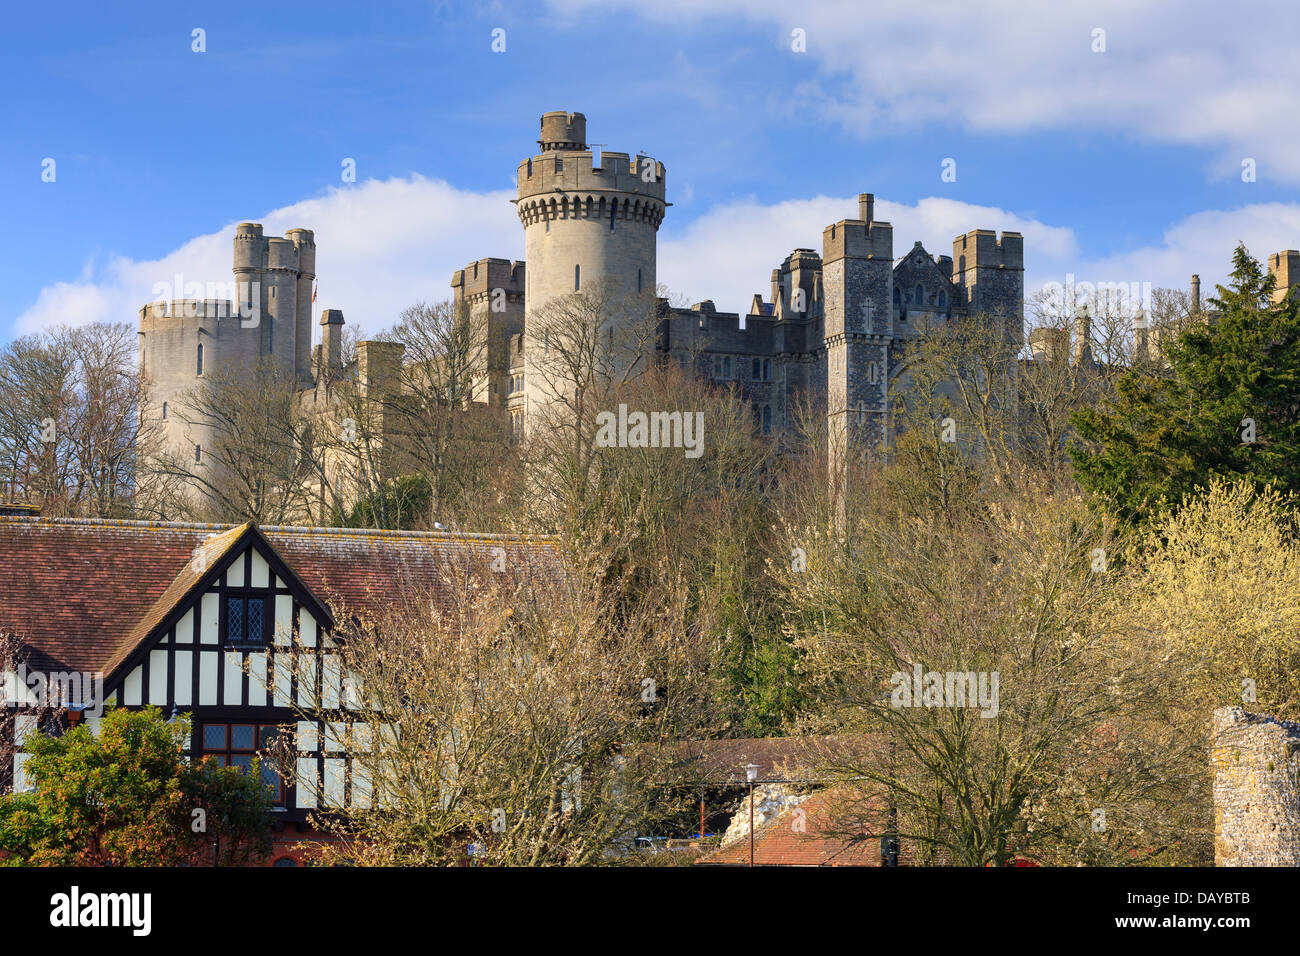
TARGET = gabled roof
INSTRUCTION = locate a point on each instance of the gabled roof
(907, 263)
(83, 594)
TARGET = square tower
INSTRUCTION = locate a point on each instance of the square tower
(1285, 266)
(857, 288)
(990, 273)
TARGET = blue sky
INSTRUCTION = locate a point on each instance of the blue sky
(1122, 165)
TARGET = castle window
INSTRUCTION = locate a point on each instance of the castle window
(198, 453)
(756, 370)
(898, 299)
(767, 370)
(530, 166)
(164, 411)
(943, 299)
(920, 294)
(767, 419)
(638, 280)
(559, 164)
(961, 264)
(270, 334)
(577, 278)
(200, 359)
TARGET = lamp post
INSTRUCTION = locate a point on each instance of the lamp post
(751, 774)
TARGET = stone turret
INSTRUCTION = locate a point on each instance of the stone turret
(304, 243)
(589, 223)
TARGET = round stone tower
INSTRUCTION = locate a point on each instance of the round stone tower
(590, 221)
(587, 219)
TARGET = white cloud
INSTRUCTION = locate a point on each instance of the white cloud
(384, 244)
(729, 252)
(1202, 243)
(1199, 73)
(381, 245)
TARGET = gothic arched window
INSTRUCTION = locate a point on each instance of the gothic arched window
(200, 359)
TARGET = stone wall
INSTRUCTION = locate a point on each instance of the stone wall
(1256, 789)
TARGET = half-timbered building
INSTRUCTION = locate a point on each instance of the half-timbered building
(232, 625)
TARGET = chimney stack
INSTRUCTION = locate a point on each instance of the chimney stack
(331, 334)
(1196, 293)
(866, 206)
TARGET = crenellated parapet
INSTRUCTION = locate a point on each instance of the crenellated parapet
(155, 315)
(479, 281)
(569, 185)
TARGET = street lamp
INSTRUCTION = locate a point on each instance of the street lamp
(751, 774)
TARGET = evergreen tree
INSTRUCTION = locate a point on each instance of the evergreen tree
(1228, 406)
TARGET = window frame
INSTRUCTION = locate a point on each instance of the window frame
(227, 751)
(246, 595)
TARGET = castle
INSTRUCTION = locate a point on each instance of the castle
(833, 329)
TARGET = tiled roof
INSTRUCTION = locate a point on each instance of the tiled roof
(816, 833)
(82, 592)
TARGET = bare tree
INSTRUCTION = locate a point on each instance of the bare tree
(245, 453)
(70, 427)
(982, 644)
(510, 717)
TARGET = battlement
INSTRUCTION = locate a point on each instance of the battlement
(295, 252)
(982, 249)
(856, 239)
(156, 314)
(575, 175)
(481, 277)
